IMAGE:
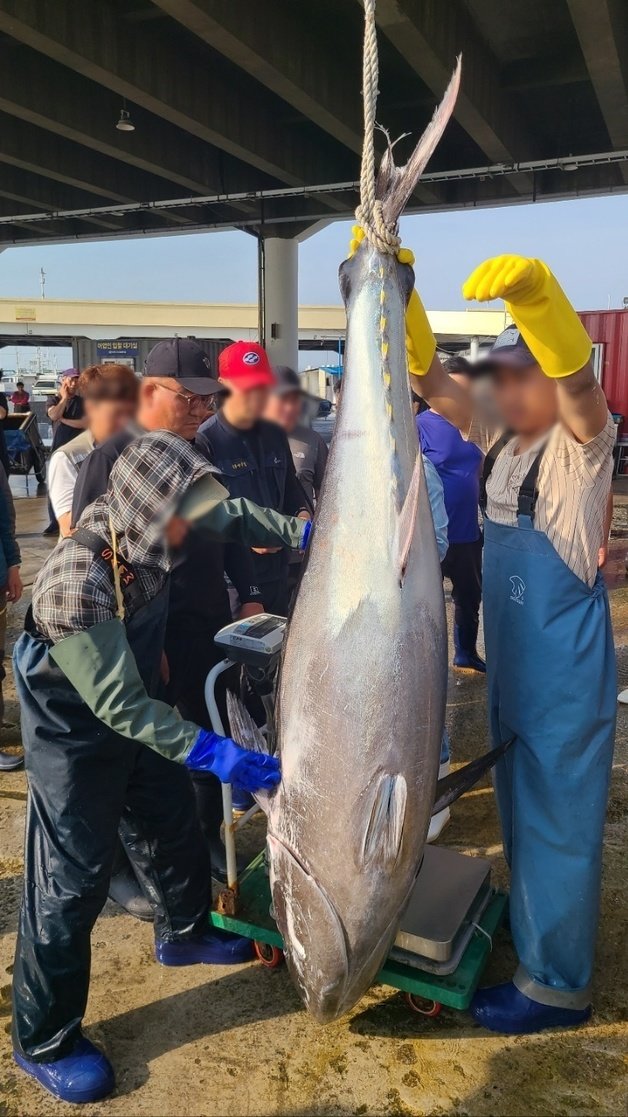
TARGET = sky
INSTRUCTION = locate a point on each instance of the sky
(583, 241)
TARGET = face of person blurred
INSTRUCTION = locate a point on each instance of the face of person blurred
(243, 409)
(285, 410)
(106, 417)
(166, 405)
(176, 532)
(69, 384)
(525, 399)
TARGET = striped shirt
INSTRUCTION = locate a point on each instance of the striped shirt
(574, 483)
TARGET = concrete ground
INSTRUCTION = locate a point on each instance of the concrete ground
(211, 1041)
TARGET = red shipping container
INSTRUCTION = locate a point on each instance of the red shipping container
(608, 329)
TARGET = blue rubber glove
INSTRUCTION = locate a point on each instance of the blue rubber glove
(248, 770)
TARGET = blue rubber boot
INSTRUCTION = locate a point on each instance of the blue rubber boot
(241, 800)
(216, 948)
(84, 1076)
(465, 653)
(503, 1008)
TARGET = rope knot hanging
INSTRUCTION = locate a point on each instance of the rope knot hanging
(369, 214)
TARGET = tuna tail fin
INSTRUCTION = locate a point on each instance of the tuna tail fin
(454, 785)
(398, 183)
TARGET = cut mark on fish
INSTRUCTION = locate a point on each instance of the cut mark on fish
(384, 831)
(407, 520)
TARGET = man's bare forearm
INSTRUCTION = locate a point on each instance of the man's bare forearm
(56, 410)
(444, 395)
(582, 404)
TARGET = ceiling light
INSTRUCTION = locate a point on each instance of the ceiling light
(125, 124)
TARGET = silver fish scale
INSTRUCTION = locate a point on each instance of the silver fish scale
(362, 688)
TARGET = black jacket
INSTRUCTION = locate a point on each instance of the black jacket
(256, 464)
(198, 593)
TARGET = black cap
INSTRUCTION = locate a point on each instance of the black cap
(184, 360)
(508, 350)
(287, 381)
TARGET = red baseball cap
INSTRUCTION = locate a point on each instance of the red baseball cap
(245, 364)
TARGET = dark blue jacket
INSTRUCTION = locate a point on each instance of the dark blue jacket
(9, 550)
(256, 464)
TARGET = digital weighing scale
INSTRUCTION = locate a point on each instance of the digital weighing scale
(446, 932)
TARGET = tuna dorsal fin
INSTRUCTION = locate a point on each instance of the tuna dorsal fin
(384, 830)
(401, 181)
(454, 785)
(407, 519)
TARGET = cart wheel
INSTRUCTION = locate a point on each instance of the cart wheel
(269, 956)
(423, 1005)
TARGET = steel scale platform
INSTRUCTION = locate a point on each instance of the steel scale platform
(454, 989)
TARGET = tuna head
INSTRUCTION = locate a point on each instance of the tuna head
(333, 959)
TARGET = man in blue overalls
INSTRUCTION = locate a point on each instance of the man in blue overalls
(550, 657)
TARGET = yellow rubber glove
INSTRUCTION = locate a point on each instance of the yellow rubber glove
(539, 307)
(420, 341)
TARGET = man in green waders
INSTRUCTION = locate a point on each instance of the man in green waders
(96, 745)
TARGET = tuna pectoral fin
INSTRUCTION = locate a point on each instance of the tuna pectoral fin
(407, 519)
(384, 830)
(451, 787)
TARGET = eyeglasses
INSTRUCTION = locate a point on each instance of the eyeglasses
(203, 403)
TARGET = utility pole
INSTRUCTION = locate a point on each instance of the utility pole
(42, 282)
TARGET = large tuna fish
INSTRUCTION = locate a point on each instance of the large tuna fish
(363, 681)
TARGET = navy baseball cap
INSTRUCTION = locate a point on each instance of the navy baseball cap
(509, 350)
(183, 360)
(287, 381)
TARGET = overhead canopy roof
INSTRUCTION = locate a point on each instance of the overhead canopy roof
(248, 96)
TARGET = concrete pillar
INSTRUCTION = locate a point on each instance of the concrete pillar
(474, 349)
(281, 300)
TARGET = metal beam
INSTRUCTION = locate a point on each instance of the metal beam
(45, 93)
(429, 34)
(288, 53)
(48, 156)
(34, 192)
(151, 70)
(602, 30)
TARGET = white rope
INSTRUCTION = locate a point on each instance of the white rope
(369, 213)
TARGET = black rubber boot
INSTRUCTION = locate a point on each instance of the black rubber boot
(125, 889)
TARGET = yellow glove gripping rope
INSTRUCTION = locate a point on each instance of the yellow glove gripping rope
(420, 341)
